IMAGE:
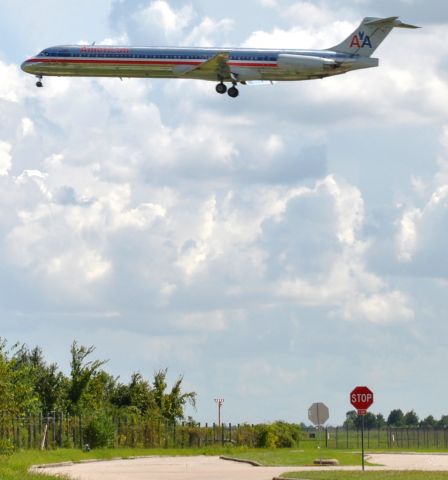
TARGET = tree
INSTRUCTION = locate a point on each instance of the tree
(137, 395)
(28, 384)
(171, 405)
(411, 419)
(81, 374)
(380, 421)
(49, 384)
(99, 392)
(350, 419)
(429, 421)
(395, 418)
(353, 420)
(443, 422)
(22, 384)
(176, 401)
(369, 421)
(6, 390)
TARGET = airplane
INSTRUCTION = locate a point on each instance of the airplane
(222, 65)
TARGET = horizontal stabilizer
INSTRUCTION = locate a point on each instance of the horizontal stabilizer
(389, 21)
(399, 24)
(380, 21)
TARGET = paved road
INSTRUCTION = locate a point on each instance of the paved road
(212, 468)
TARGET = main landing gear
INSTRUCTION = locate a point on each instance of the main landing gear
(39, 82)
(233, 92)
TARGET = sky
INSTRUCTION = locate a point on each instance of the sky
(277, 250)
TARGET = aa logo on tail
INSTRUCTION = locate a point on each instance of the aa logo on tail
(361, 40)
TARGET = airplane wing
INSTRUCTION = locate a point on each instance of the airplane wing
(217, 66)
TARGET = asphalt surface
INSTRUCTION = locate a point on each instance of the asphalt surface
(213, 468)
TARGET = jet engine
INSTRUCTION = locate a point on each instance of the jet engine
(305, 63)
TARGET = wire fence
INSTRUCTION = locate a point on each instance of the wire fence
(64, 431)
(386, 438)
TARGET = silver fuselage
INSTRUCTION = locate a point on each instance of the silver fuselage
(162, 62)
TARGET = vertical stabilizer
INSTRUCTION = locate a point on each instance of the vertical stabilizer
(369, 35)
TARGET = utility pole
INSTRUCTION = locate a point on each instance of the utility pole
(219, 402)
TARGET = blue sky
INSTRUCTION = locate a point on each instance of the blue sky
(277, 250)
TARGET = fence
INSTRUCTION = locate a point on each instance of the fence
(382, 438)
(64, 431)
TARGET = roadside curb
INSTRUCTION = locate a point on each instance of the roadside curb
(42, 466)
(240, 460)
(50, 465)
(286, 478)
(80, 462)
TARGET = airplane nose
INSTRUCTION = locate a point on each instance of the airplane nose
(27, 66)
(24, 66)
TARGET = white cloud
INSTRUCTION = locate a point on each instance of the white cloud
(269, 3)
(258, 377)
(27, 127)
(13, 84)
(421, 227)
(159, 13)
(5, 158)
(380, 308)
(306, 13)
(407, 237)
(249, 225)
(203, 321)
(344, 285)
(204, 33)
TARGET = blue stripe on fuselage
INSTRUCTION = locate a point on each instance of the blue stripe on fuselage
(179, 53)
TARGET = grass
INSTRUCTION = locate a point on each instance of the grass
(296, 457)
(16, 466)
(384, 475)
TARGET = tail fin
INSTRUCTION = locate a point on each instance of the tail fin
(369, 35)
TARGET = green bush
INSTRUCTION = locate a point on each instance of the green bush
(6, 447)
(277, 434)
(100, 432)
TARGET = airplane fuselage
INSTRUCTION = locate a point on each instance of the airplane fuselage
(237, 66)
(162, 62)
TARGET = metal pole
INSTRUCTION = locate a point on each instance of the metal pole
(319, 447)
(219, 402)
(362, 440)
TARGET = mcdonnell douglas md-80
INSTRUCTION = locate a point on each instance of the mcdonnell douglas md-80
(216, 64)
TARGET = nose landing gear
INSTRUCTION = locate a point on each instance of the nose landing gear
(39, 82)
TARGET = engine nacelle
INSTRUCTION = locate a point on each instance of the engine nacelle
(305, 63)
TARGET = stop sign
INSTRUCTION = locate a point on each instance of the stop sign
(361, 398)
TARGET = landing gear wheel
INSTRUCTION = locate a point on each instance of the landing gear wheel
(39, 81)
(221, 88)
(233, 92)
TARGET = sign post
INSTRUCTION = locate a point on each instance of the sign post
(318, 414)
(361, 398)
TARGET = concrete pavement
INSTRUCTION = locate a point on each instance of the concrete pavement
(213, 468)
